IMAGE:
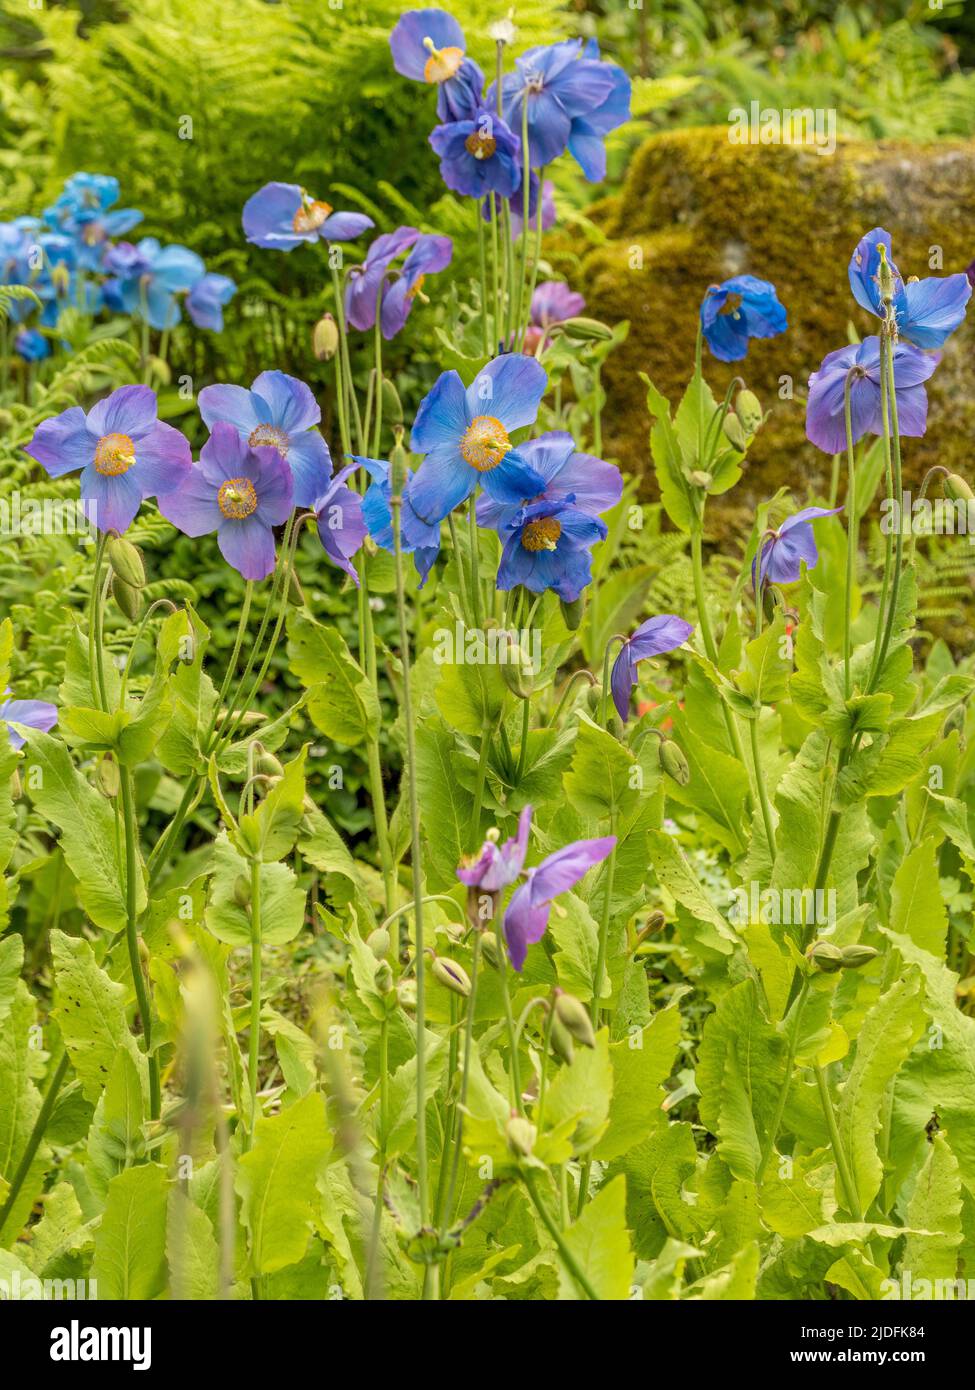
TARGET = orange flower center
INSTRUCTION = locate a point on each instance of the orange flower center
(310, 216)
(268, 436)
(442, 63)
(480, 144)
(114, 454)
(542, 534)
(237, 499)
(485, 443)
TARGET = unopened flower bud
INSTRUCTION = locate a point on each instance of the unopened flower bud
(748, 409)
(957, 489)
(587, 330)
(242, 890)
(654, 923)
(128, 598)
(266, 763)
(594, 698)
(378, 942)
(561, 1040)
(107, 774)
(392, 405)
(383, 979)
(572, 612)
(16, 790)
(490, 949)
(325, 338)
(517, 671)
(673, 762)
(734, 432)
(521, 1135)
(452, 975)
(126, 561)
(825, 957)
(857, 955)
(574, 1016)
(406, 992)
(700, 478)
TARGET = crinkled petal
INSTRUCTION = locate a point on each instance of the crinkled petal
(510, 388)
(193, 508)
(63, 444)
(162, 460)
(130, 410)
(110, 504)
(248, 546)
(442, 417)
(291, 404)
(311, 466)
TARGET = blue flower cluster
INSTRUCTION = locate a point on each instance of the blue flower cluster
(71, 258)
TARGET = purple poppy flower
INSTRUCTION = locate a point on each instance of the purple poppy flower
(546, 546)
(652, 638)
(124, 451)
(429, 254)
(825, 408)
(281, 216)
(553, 302)
(574, 100)
(464, 445)
(478, 156)
(366, 280)
(927, 311)
(592, 485)
(33, 714)
(738, 309)
(239, 491)
(428, 46)
(206, 299)
(341, 524)
(527, 916)
(418, 538)
(31, 345)
(278, 410)
(497, 866)
(148, 277)
(792, 544)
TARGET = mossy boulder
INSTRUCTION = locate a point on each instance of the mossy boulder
(696, 209)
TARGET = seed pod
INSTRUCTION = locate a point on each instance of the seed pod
(885, 274)
(399, 463)
(325, 338)
(517, 671)
(855, 956)
(383, 979)
(267, 764)
(242, 890)
(521, 1135)
(452, 975)
(825, 957)
(673, 762)
(587, 330)
(748, 409)
(561, 1039)
(734, 432)
(126, 561)
(956, 489)
(574, 1016)
(572, 612)
(378, 942)
(108, 776)
(490, 949)
(127, 598)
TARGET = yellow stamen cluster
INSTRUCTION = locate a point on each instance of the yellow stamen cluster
(442, 64)
(237, 499)
(268, 436)
(310, 216)
(485, 443)
(480, 144)
(542, 534)
(114, 454)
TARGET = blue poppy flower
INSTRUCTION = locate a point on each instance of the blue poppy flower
(547, 547)
(826, 406)
(465, 445)
(571, 97)
(31, 345)
(281, 216)
(927, 311)
(429, 254)
(239, 492)
(125, 454)
(738, 309)
(591, 484)
(206, 300)
(341, 523)
(652, 638)
(793, 545)
(281, 412)
(418, 538)
(428, 46)
(32, 714)
(478, 156)
(83, 211)
(147, 277)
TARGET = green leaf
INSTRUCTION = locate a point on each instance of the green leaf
(277, 1181)
(768, 664)
(581, 1093)
(677, 876)
(675, 492)
(130, 1244)
(600, 1242)
(603, 780)
(935, 1205)
(641, 1064)
(191, 1251)
(282, 899)
(917, 909)
(90, 1012)
(19, 1107)
(341, 701)
(446, 805)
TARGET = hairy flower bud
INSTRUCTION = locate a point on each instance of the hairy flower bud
(654, 923)
(452, 975)
(825, 957)
(521, 1135)
(128, 598)
(572, 612)
(574, 1016)
(242, 890)
(378, 942)
(561, 1040)
(126, 561)
(266, 763)
(734, 432)
(855, 956)
(325, 338)
(107, 774)
(748, 409)
(587, 330)
(673, 762)
(957, 489)
(383, 979)
(517, 671)
(392, 405)
(490, 949)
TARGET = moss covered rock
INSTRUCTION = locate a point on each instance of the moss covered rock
(696, 209)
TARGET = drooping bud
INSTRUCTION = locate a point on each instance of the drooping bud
(108, 776)
(857, 955)
(957, 489)
(128, 599)
(378, 942)
(126, 561)
(517, 670)
(266, 763)
(521, 1135)
(825, 957)
(594, 698)
(325, 338)
(383, 979)
(572, 612)
(406, 992)
(734, 432)
(748, 409)
(587, 330)
(673, 762)
(242, 890)
(561, 1040)
(574, 1016)
(490, 949)
(654, 923)
(452, 976)
(392, 405)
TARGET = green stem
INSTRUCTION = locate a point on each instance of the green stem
(482, 762)
(566, 1255)
(482, 259)
(132, 935)
(464, 1078)
(254, 1041)
(96, 664)
(523, 750)
(839, 1152)
(893, 510)
(773, 1130)
(525, 229)
(515, 1078)
(760, 782)
(852, 539)
(710, 646)
(34, 1141)
(595, 1008)
(892, 426)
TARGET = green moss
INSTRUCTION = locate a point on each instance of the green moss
(700, 209)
